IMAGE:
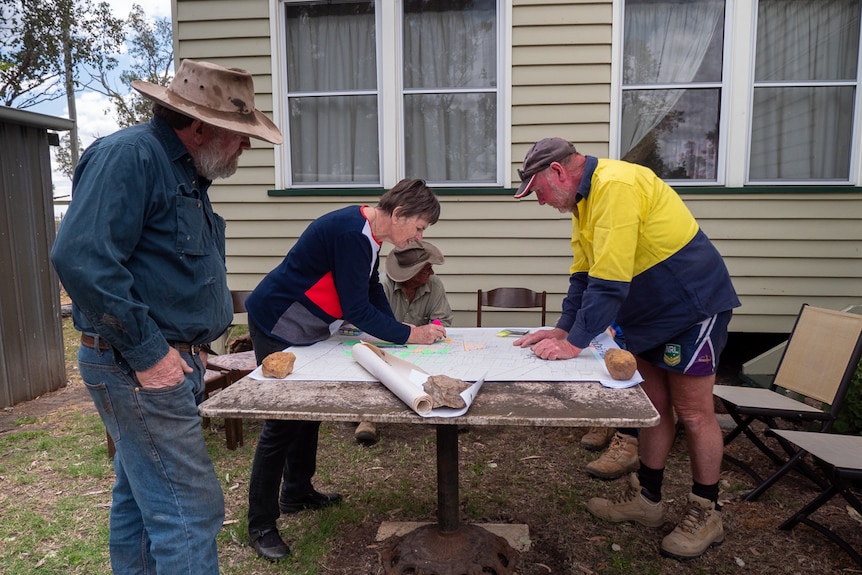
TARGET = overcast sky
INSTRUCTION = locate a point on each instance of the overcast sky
(93, 121)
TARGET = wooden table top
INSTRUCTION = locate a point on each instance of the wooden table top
(545, 403)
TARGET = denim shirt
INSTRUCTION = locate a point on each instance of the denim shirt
(140, 250)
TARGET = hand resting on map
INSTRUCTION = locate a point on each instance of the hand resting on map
(549, 344)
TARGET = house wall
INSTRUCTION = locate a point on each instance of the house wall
(782, 250)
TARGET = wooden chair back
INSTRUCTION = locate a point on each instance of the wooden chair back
(512, 298)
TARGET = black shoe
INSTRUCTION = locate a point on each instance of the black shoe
(269, 544)
(313, 500)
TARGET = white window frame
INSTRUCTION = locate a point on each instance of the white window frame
(388, 16)
(737, 98)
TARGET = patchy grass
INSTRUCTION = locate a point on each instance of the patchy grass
(55, 492)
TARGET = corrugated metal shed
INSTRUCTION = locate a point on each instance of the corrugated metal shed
(31, 334)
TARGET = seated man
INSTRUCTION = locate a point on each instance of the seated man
(416, 296)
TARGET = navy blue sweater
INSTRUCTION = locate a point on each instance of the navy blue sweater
(329, 275)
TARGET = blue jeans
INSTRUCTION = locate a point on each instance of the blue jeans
(167, 503)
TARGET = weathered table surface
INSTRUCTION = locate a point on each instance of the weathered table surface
(545, 403)
(449, 547)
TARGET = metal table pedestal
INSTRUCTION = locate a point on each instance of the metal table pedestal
(449, 547)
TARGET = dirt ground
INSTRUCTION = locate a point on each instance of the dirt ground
(535, 476)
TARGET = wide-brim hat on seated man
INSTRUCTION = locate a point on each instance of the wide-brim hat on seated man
(222, 97)
(404, 263)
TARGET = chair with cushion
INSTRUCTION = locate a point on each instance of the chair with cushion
(839, 457)
(808, 390)
(235, 366)
(512, 298)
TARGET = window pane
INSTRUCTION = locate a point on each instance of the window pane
(451, 137)
(334, 139)
(332, 100)
(331, 47)
(450, 44)
(673, 132)
(807, 40)
(801, 133)
(673, 41)
(450, 85)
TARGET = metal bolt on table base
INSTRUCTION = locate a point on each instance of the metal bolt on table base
(449, 547)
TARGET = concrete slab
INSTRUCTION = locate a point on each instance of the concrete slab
(516, 534)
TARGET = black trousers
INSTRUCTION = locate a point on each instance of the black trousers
(286, 454)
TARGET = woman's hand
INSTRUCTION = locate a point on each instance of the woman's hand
(426, 334)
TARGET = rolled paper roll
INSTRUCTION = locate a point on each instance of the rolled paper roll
(394, 373)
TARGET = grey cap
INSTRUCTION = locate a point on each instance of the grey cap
(541, 155)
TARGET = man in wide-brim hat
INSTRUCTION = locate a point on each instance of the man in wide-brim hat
(417, 296)
(142, 255)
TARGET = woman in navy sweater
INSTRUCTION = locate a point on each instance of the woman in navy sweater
(330, 276)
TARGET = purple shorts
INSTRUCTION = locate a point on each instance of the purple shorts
(694, 351)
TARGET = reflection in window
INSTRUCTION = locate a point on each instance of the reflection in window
(672, 61)
(683, 145)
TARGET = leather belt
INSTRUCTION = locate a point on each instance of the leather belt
(194, 349)
(90, 341)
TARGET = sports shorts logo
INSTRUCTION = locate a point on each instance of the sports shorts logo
(672, 354)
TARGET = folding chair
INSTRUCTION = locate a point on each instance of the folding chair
(510, 297)
(840, 459)
(810, 383)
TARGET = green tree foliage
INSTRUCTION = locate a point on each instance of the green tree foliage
(151, 55)
(45, 44)
(150, 45)
(63, 156)
(850, 417)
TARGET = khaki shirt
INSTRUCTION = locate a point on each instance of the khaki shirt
(428, 304)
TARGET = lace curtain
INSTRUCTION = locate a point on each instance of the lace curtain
(665, 44)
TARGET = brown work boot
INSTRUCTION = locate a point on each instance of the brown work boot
(699, 530)
(365, 432)
(631, 505)
(620, 458)
(597, 438)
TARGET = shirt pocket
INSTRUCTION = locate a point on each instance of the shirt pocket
(191, 226)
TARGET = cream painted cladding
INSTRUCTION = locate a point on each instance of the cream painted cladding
(782, 250)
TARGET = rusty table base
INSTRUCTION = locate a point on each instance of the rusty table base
(469, 550)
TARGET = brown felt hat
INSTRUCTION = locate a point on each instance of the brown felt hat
(222, 97)
(404, 263)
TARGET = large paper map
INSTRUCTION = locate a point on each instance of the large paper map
(467, 353)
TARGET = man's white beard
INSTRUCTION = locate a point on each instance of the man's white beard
(210, 161)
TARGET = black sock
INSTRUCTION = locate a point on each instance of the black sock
(707, 492)
(650, 480)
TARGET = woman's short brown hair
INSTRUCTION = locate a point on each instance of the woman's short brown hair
(413, 198)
